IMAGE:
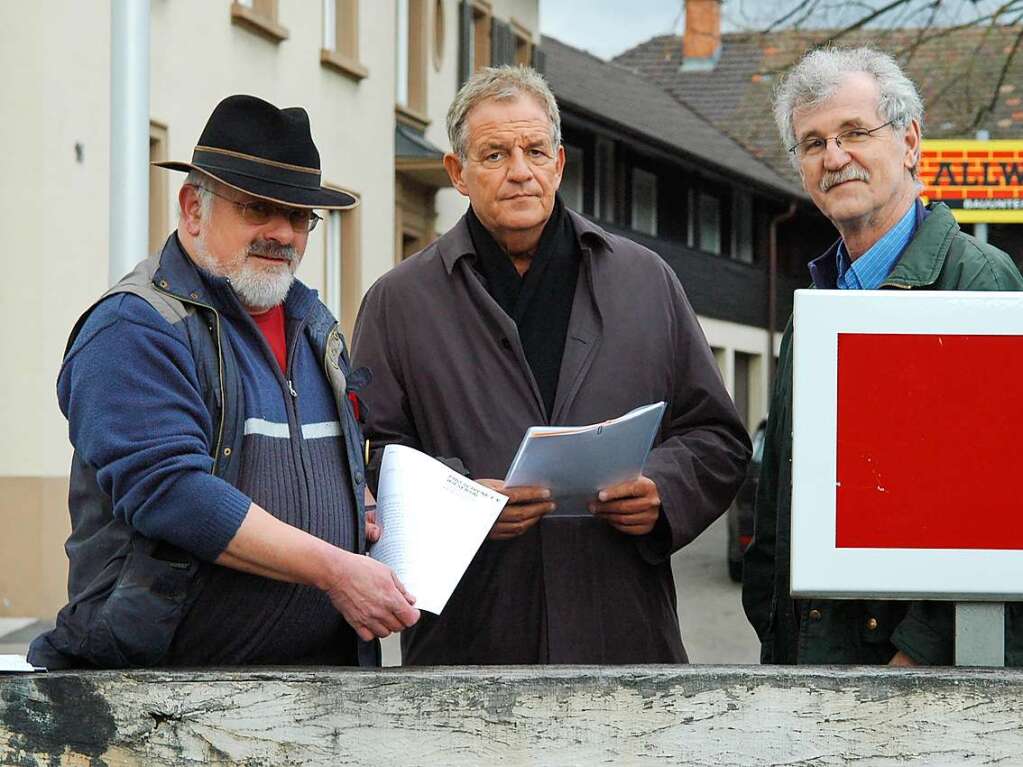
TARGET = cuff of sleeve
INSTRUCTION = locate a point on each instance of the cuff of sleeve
(215, 519)
(922, 642)
(655, 546)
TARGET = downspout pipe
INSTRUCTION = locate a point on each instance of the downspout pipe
(129, 135)
(772, 286)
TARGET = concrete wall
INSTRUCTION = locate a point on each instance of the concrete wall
(546, 715)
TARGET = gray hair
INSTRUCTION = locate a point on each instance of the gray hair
(504, 83)
(204, 188)
(820, 72)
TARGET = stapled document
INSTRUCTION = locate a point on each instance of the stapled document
(576, 462)
(433, 520)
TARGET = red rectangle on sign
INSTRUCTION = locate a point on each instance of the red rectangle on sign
(930, 431)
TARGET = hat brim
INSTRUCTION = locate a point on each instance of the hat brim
(282, 194)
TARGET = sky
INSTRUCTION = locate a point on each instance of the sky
(609, 27)
(604, 28)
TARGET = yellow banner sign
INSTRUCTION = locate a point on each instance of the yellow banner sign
(981, 181)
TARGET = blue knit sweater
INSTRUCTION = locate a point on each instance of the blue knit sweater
(130, 391)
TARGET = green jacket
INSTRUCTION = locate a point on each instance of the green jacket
(939, 257)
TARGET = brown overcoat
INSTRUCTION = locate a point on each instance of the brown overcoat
(450, 378)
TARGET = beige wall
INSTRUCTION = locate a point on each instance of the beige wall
(33, 569)
(54, 70)
(727, 338)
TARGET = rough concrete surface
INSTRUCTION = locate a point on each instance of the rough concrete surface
(551, 716)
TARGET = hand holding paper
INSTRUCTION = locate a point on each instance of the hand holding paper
(576, 462)
(526, 506)
(432, 521)
(629, 507)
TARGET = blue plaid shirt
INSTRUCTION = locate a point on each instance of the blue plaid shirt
(872, 268)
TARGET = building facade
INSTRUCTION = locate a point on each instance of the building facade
(376, 78)
(644, 165)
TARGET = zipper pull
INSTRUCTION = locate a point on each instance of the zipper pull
(291, 388)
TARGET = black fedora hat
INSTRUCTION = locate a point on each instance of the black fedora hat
(251, 145)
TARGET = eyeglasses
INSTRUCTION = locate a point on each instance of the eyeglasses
(815, 146)
(258, 212)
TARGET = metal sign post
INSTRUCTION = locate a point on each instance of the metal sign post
(980, 634)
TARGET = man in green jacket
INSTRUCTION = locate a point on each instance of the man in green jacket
(851, 120)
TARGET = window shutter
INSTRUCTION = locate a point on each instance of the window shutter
(502, 43)
(539, 60)
(465, 32)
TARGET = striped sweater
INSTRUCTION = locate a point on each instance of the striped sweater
(130, 390)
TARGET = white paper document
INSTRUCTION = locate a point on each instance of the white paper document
(433, 520)
(576, 462)
(16, 664)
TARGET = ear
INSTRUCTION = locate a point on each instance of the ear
(453, 165)
(912, 139)
(191, 209)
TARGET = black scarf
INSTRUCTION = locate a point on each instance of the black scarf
(540, 301)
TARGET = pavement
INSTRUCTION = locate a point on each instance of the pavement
(16, 633)
(714, 629)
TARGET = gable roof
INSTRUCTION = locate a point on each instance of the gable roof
(954, 69)
(613, 94)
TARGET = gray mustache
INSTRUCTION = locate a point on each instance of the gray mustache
(850, 172)
(272, 250)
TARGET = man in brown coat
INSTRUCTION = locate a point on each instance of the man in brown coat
(526, 313)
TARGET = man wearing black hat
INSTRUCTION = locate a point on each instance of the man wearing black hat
(217, 483)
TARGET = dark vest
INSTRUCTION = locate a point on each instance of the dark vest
(128, 593)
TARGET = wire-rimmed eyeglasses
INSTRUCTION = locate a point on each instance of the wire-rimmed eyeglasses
(259, 212)
(815, 146)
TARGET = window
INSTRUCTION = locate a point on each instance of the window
(604, 175)
(691, 219)
(474, 37)
(523, 44)
(401, 79)
(415, 214)
(438, 34)
(741, 394)
(333, 280)
(742, 226)
(572, 178)
(342, 265)
(259, 16)
(644, 201)
(341, 38)
(410, 61)
(709, 223)
(481, 22)
(158, 203)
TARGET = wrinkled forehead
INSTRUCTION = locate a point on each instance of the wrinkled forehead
(854, 100)
(518, 113)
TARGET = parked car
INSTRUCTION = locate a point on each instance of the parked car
(740, 513)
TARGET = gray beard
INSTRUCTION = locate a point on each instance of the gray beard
(260, 291)
(255, 289)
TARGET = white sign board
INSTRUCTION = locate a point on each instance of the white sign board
(907, 445)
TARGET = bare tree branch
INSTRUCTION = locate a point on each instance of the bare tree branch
(989, 108)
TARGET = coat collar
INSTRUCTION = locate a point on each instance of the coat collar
(924, 257)
(920, 263)
(456, 242)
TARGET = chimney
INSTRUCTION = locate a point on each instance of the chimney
(701, 42)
